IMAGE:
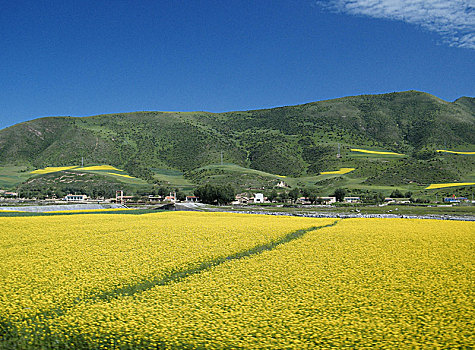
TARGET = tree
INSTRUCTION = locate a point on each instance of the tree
(379, 197)
(163, 191)
(284, 196)
(339, 194)
(313, 197)
(294, 194)
(396, 194)
(306, 192)
(180, 196)
(212, 194)
(272, 196)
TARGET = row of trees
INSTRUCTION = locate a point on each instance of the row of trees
(215, 194)
(224, 194)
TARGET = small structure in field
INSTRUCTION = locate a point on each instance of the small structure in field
(282, 184)
(191, 199)
(170, 199)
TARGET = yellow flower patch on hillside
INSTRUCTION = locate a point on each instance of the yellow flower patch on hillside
(48, 170)
(122, 175)
(338, 172)
(453, 184)
(455, 152)
(375, 152)
(100, 167)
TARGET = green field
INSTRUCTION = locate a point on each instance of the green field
(172, 178)
(11, 176)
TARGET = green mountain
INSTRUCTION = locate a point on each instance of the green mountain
(295, 141)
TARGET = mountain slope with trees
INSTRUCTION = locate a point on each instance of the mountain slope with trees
(293, 140)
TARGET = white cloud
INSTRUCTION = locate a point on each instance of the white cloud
(454, 20)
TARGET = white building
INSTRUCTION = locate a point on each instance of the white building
(327, 200)
(75, 197)
(351, 199)
(259, 198)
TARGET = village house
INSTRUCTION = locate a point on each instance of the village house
(191, 199)
(303, 200)
(327, 200)
(75, 198)
(240, 199)
(153, 198)
(351, 199)
(259, 198)
(170, 198)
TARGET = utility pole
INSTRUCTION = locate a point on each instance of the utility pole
(221, 157)
(82, 162)
(338, 154)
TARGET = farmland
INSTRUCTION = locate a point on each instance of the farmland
(220, 280)
(446, 185)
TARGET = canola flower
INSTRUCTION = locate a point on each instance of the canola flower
(446, 185)
(361, 283)
(122, 175)
(50, 263)
(48, 170)
(100, 167)
(375, 152)
(455, 152)
(342, 171)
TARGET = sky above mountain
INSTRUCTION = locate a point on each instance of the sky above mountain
(78, 58)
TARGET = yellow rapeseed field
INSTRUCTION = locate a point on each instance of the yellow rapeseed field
(452, 184)
(455, 152)
(100, 167)
(54, 169)
(361, 283)
(342, 171)
(375, 152)
(122, 175)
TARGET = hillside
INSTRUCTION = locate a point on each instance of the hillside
(295, 141)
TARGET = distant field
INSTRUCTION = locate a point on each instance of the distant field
(446, 185)
(10, 176)
(172, 178)
(456, 152)
(105, 170)
(53, 169)
(342, 171)
(374, 153)
(234, 281)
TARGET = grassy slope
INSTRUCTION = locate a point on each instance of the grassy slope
(10, 176)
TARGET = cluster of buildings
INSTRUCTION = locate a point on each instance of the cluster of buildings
(243, 199)
(455, 199)
(240, 199)
(8, 194)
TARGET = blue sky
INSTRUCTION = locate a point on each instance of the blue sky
(79, 58)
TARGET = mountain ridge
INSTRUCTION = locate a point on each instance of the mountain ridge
(288, 140)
